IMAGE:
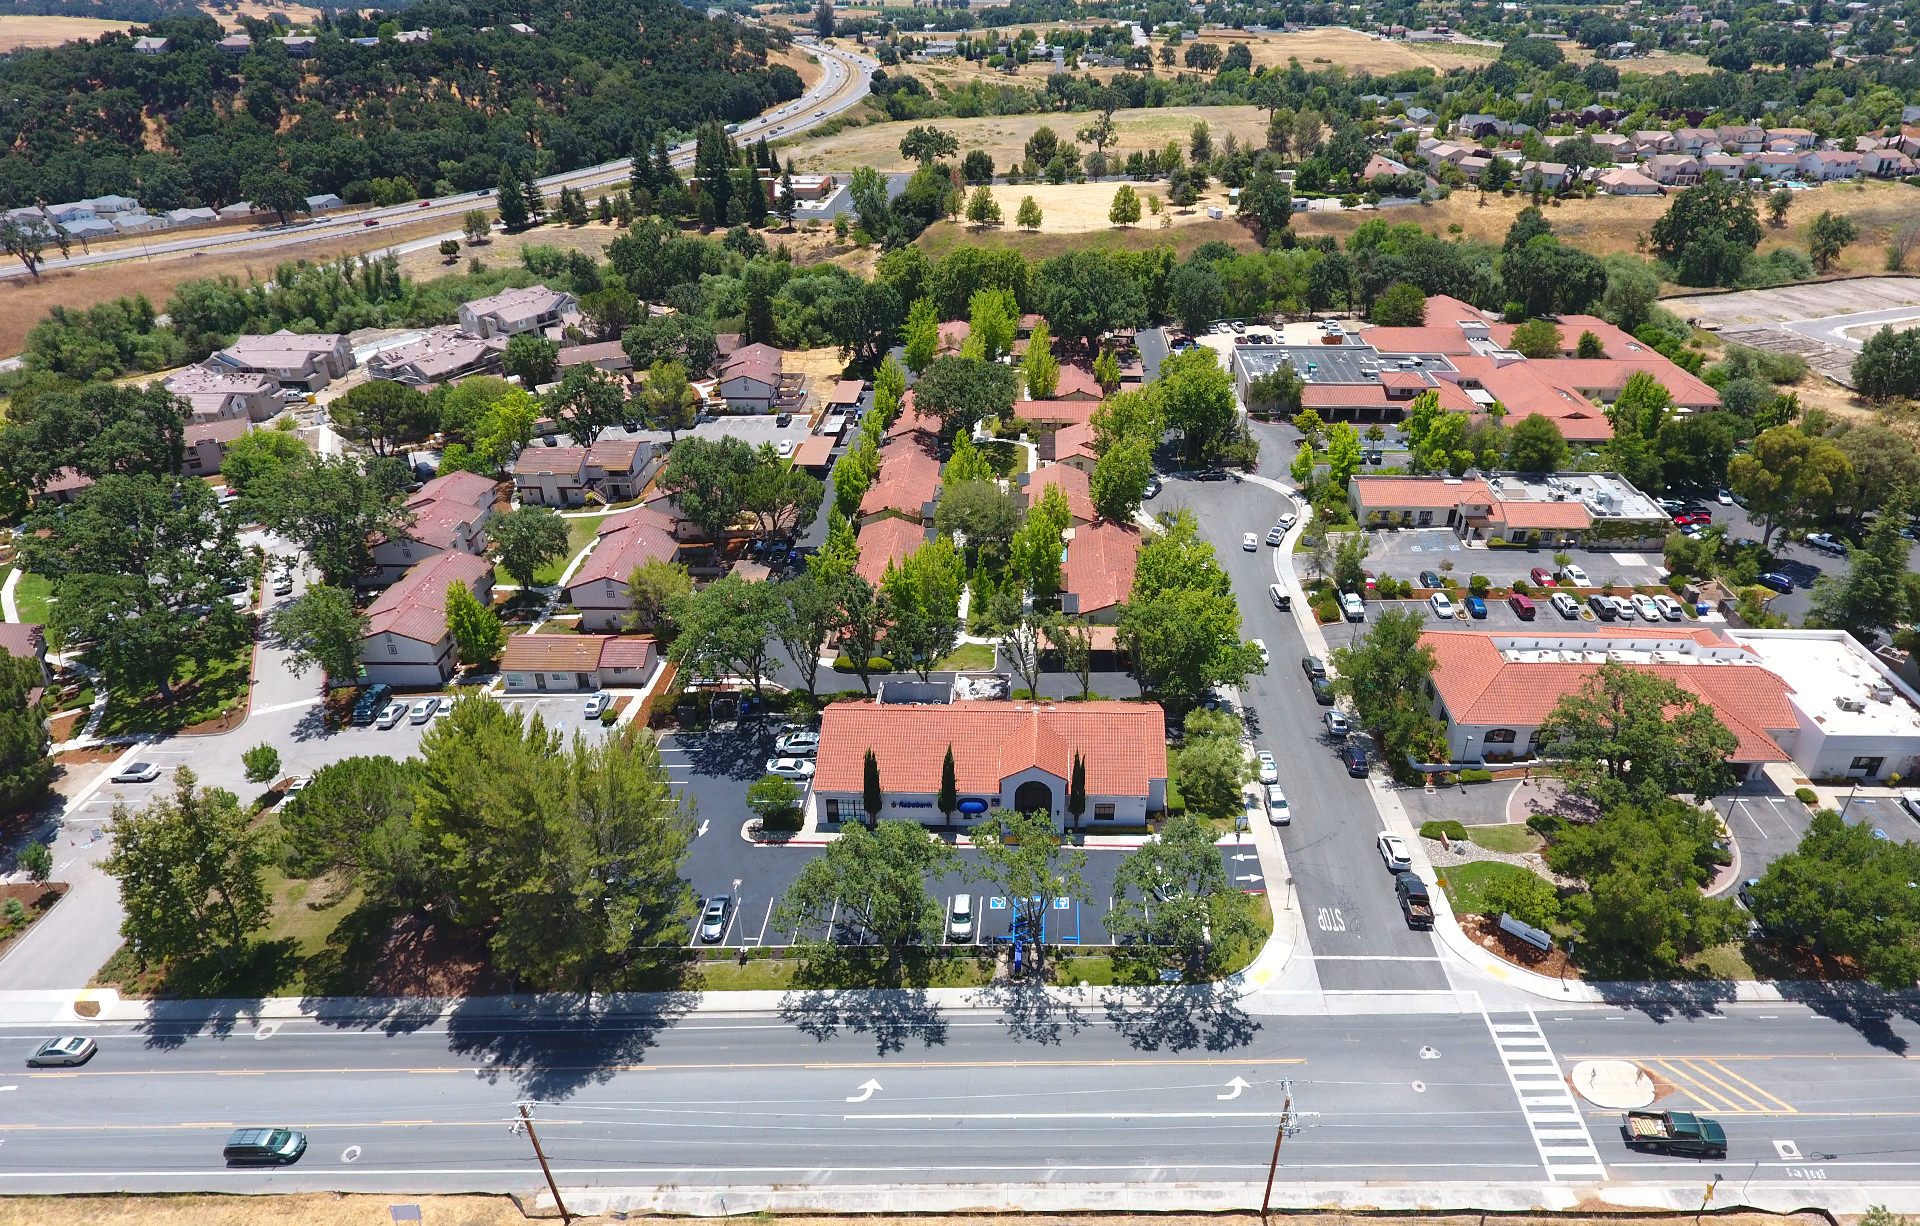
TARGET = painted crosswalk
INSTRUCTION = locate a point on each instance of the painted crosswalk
(1551, 1111)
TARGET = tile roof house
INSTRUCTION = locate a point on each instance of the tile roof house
(407, 642)
(1070, 445)
(1075, 484)
(886, 542)
(304, 361)
(626, 541)
(449, 512)
(606, 355)
(1048, 415)
(549, 663)
(28, 641)
(511, 312)
(206, 444)
(612, 470)
(1097, 576)
(1077, 383)
(908, 483)
(1623, 181)
(1006, 755)
(440, 355)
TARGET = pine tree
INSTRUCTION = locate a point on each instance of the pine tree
(535, 198)
(870, 798)
(949, 799)
(513, 205)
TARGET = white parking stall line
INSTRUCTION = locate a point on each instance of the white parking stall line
(1552, 1114)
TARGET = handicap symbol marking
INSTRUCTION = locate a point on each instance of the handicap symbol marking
(996, 904)
(1062, 904)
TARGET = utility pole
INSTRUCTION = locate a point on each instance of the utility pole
(526, 1118)
(1289, 1123)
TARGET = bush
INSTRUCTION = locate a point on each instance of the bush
(1527, 898)
(1327, 610)
(608, 716)
(776, 802)
(1476, 775)
(1522, 588)
(1433, 830)
(1478, 585)
(1806, 796)
(1546, 825)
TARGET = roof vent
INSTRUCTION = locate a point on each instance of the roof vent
(1882, 693)
(1850, 704)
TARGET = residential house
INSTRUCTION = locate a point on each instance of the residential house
(1075, 484)
(110, 205)
(907, 485)
(136, 223)
(438, 356)
(206, 444)
(323, 201)
(1649, 142)
(1741, 138)
(1800, 138)
(610, 471)
(1070, 445)
(213, 392)
(449, 513)
(191, 217)
(407, 643)
(1097, 576)
(151, 45)
(303, 361)
(750, 377)
(1622, 181)
(300, 46)
(235, 44)
(1007, 755)
(886, 542)
(1673, 169)
(1077, 384)
(1828, 164)
(626, 541)
(1887, 164)
(28, 641)
(605, 355)
(510, 312)
(563, 663)
(64, 486)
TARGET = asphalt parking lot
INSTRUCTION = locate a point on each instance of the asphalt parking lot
(1404, 553)
(715, 770)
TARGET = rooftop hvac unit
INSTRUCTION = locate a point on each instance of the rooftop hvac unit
(1882, 693)
(1850, 704)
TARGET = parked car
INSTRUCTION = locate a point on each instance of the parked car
(1276, 535)
(63, 1052)
(1602, 607)
(1724, 498)
(137, 772)
(1260, 645)
(1322, 691)
(1542, 576)
(785, 448)
(1249, 542)
(1315, 669)
(423, 710)
(790, 768)
(391, 714)
(1278, 811)
(1429, 578)
(1355, 608)
(1279, 596)
(960, 919)
(798, 745)
(1575, 576)
(370, 703)
(1565, 605)
(1269, 769)
(1693, 517)
(1442, 607)
(1827, 543)
(1393, 851)
(1356, 760)
(1286, 522)
(1153, 487)
(1476, 607)
(713, 920)
(265, 1146)
(283, 584)
(1644, 605)
(598, 704)
(1336, 722)
(1521, 606)
(1777, 581)
(1669, 608)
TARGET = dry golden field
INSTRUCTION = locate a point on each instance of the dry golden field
(19, 32)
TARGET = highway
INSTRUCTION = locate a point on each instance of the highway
(843, 84)
(837, 1095)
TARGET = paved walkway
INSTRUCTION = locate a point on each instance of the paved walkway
(7, 605)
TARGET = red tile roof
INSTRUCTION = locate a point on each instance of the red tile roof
(27, 640)
(1124, 745)
(641, 535)
(1075, 484)
(1343, 395)
(1069, 442)
(1077, 380)
(416, 606)
(628, 651)
(443, 504)
(576, 653)
(1056, 412)
(887, 540)
(1414, 493)
(1482, 687)
(909, 478)
(1101, 560)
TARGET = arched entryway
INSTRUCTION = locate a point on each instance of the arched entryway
(1033, 796)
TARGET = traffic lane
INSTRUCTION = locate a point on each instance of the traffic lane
(1355, 928)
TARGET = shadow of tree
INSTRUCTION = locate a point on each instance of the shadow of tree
(206, 996)
(1031, 1012)
(1665, 1001)
(550, 1047)
(1205, 1016)
(895, 1017)
(1867, 1010)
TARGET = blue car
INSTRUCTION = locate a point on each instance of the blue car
(1777, 581)
(1476, 607)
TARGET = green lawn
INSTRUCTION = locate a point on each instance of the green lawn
(33, 595)
(1006, 457)
(580, 533)
(197, 697)
(1512, 839)
(1466, 884)
(969, 657)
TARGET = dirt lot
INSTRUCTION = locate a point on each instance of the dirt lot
(1004, 137)
(1075, 208)
(1350, 49)
(18, 32)
(227, 10)
(323, 1209)
(1790, 302)
(504, 249)
(944, 237)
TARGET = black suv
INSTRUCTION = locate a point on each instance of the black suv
(1356, 760)
(1316, 670)
(367, 707)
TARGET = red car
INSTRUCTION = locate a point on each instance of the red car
(1692, 517)
(1543, 576)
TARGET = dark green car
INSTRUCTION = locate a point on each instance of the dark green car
(1675, 1132)
(264, 1146)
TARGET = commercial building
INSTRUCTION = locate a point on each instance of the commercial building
(1516, 508)
(1006, 755)
(1815, 698)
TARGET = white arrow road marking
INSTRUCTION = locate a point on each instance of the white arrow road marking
(702, 830)
(1245, 857)
(1235, 1088)
(4, 1089)
(866, 1091)
(1250, 877)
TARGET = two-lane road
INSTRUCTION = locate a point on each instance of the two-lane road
(1359, 940)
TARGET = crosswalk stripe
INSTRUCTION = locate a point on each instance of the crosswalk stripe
(1552, 1114)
